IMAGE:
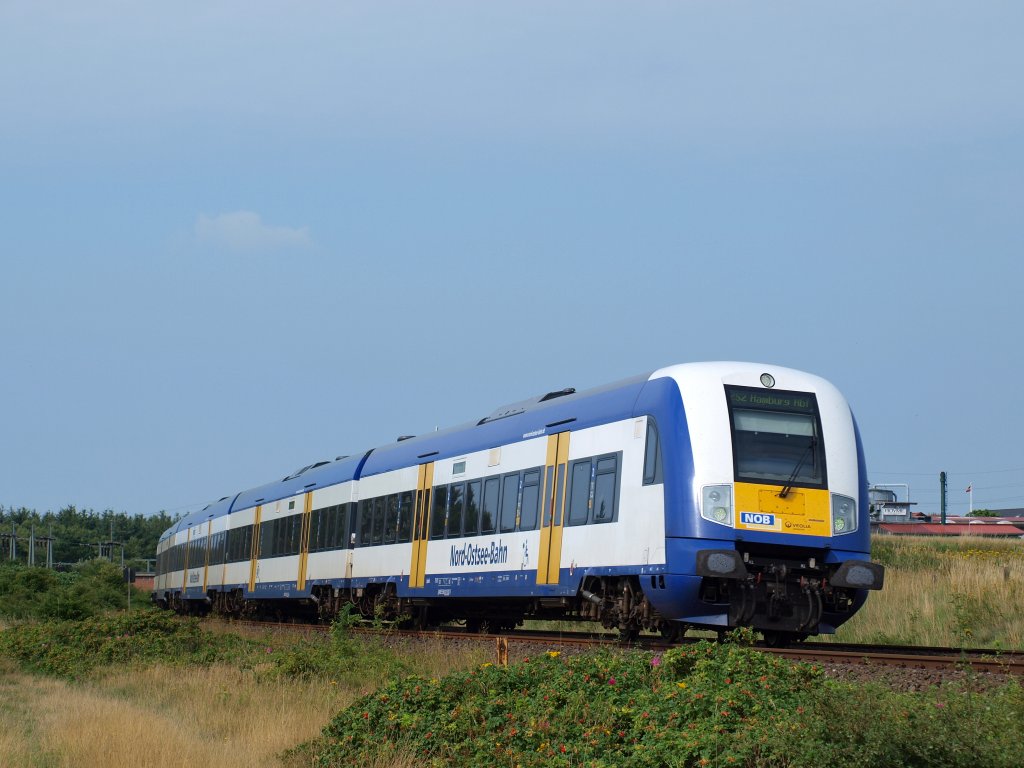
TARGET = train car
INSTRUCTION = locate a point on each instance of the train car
(710, 495)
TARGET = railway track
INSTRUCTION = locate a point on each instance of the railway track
(978, 660)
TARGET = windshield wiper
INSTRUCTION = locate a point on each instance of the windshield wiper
(796, 470)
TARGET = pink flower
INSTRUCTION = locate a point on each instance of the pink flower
(611, 681)
(656, 661)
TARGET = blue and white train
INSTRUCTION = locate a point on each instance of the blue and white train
(709, 495)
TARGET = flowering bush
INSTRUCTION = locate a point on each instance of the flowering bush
(697, 705)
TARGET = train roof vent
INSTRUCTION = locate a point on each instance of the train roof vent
(304, 469)
(558, 393)
(339, 458)
(513, 409)
(503, 412)
(223, 498)
(405, 437)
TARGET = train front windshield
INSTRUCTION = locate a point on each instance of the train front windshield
(776, 437)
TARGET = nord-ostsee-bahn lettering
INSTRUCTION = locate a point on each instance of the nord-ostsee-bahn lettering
(699, 495)
(494, 553)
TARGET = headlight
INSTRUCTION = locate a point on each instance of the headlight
(844, 514)
(716, 505)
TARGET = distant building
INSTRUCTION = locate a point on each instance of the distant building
(885, 507)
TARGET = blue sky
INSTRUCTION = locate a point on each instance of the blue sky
(240, 237)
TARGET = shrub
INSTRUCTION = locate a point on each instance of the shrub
(88, 590)
(338, 656)
(702, 704)
(72, 649)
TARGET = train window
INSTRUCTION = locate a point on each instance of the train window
(239, 540)
(652, 454)
(405, 511)
(456, 503)
(325, 529)
(471, 522)
(215, 545)
(378, 520)
(604, 489)
(285, 537)
(267, 531)
(509, 502)
(531, 500)
(334, 526)
(320, 536)
(776, 437)
(295, 535)
(391, 519)
(330, 521)
(438, 516)
(314, 528)
(489, 507)
(365, 522)
(579, 492)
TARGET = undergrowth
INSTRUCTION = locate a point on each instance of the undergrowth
(72, 649)
(700, 705)
(89, 589)
(339, 656)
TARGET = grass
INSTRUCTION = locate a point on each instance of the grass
(215, 696)
(952, 592)
(160, 716)
(232, 696)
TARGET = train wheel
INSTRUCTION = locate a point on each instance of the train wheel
(775, 639)
(673, 631)
(628, 635)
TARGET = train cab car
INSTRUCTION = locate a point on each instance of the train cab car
(771, 528)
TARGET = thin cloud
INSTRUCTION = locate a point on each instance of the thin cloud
(245, 231)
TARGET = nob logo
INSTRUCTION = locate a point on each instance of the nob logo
(756, 518)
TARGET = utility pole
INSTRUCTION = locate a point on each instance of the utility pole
(942, 495)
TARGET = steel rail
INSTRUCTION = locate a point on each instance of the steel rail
(988, 661)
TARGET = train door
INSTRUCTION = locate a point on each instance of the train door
(549, 558)
(350, 543)
(206, 557)
(300, 581)
(254, 550)
(421, 525)
(184, 564)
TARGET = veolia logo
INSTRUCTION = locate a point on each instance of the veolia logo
(756, 518)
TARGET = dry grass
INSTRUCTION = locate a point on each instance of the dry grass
(160, 716)
(163, 716)
(960, 592)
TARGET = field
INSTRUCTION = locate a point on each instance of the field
(957, 592)
(148, 690)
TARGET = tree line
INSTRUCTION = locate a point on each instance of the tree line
(78, 534)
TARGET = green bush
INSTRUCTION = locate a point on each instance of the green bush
(703, 704)
(338, 656)
(72, 649)
(88, 590)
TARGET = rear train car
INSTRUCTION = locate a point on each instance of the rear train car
(710, 495)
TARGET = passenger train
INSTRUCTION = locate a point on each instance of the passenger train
(706, 495)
